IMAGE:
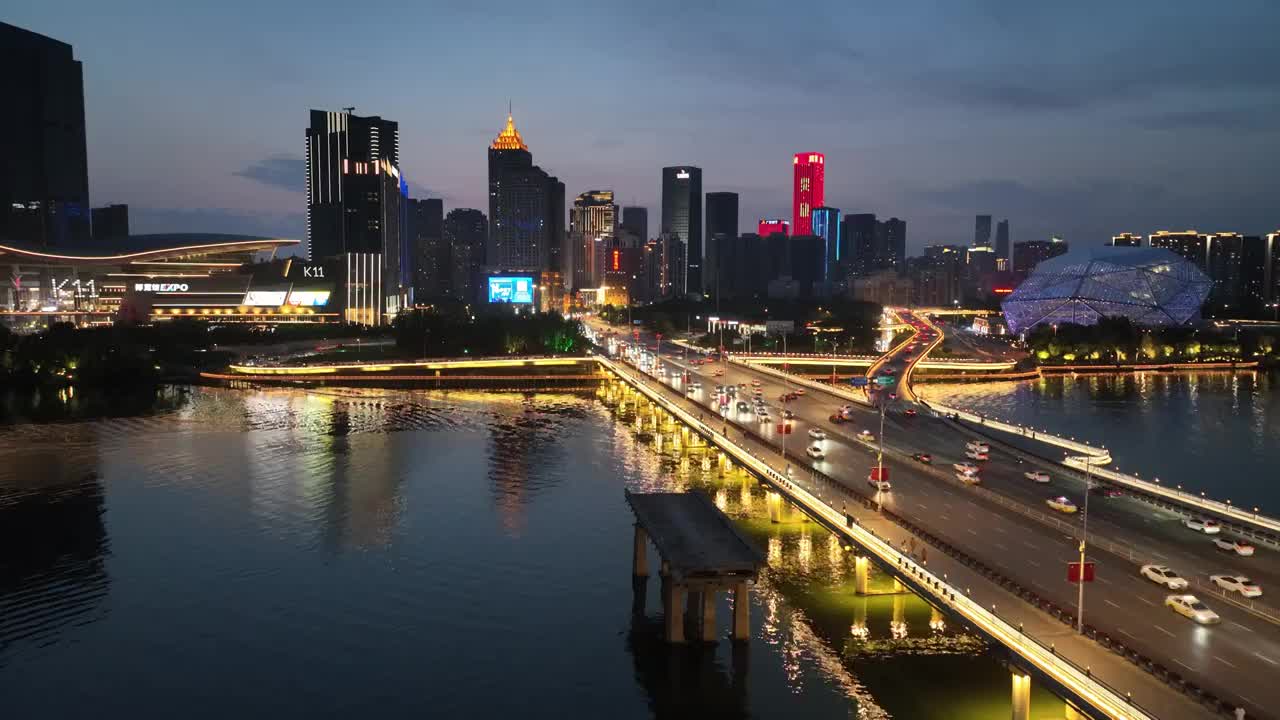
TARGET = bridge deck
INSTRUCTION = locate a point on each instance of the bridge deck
(694, 538)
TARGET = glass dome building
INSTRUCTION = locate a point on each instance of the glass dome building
(1150, 286)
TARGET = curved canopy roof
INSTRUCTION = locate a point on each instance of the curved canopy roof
(151, 248)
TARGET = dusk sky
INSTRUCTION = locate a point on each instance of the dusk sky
(1079, 120)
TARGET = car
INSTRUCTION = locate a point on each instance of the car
(755, 383)
(877, 483)
(1237, 583)
(866, 436)
(1206, 526)
(893, 396)
(695, 385)
(799, 392)
(1238, 547)
(1162, 575)
(817, 434)
(1039, 476)
(969, 478)
(763, 417)
(975, 455)
(788, 414)
(909, 412)
(1105, 490)
(837, 419)
(925, 458)
(977, 446)
(815, 452)
(965, 467)
(1190, 606)
(1062, 504)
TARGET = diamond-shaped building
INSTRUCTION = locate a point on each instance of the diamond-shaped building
(1150, 286)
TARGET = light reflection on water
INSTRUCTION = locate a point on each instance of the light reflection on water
(1216, 432)
(459, 554)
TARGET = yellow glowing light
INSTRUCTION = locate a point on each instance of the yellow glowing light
(509, 138)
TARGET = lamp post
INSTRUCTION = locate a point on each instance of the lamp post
(1083, 538)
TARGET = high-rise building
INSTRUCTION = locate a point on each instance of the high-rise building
(110, 225)
(936, 277)
(768, 227)
(44, 173)
(592, 231)
(1029, 253)
(982, 231)
(1254, 271)
(1271, 278)
(635, 220)
(356, 206)
(891, 242)
(826, 225)
(808, 191)
(1190, 244)
(1002, 240)
(860, 233)
(526, 209)
(429, 255)
(1226, 297)
(682, 217)
(722, 227)
(465, 233)
(1126, 240)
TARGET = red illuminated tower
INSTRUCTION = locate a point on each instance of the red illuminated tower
(808, 191)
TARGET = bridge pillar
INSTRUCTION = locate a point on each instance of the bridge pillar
(860, 571)
(899, 610)
(741, 612)
(1021, 696)
(640, 553)
(707, 616)
(1074, 714)
(898, 587)
(775, 501)
(673, 605)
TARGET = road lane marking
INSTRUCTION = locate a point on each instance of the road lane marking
(1110, 603)
(1033, 562)
(1147, 601)
(1000, 546)
(1224, 662)
(926, 507)
(1166, 632)
(972, 531)
(1242, 627)
(1033, 547)
(1103, 580)
(1264, 657)
(1184, 665)
(945, 517)
(1126, 632)
(999, 529)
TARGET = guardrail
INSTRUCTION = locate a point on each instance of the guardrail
(1079, 681)
(1096, 456)
(839, 392)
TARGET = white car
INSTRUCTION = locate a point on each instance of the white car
(966, 468)
(1208, 527)
(1238, 547)
(878, 484)
(817, 434)
(968, 478)
(978, 446)
(1061, 504)
(815, 452)
(1237, 583)
(866, 436)
(1036, 476)
(1161, 575)
(975, 455)
(1190, 606)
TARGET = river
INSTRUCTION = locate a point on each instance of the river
(217, 552)
(1211, 432)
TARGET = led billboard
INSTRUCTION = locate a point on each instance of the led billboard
(511, 289)
(309, 298)
(264, 298)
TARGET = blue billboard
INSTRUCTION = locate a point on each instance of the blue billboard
(511, 289)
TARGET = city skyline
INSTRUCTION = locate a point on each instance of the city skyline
(1114, 170)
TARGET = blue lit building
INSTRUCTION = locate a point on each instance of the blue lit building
(826, 225)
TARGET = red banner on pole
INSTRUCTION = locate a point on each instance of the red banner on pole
(1074, 574)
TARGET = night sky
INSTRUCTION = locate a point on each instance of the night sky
(1082, 119)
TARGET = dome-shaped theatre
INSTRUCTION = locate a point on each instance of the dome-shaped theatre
(1150, 286)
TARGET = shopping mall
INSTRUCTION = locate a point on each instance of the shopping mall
(219, 278)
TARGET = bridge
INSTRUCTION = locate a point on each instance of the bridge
(1004, 527)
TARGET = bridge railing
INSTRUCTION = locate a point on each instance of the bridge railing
(1078, 680)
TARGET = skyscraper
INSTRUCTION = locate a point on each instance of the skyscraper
(860, 231)
(682, 217)
(429, 254)
(592, 232)
(1254, 270)
(808, 171)
(465, 233)
(891, 241)
(635, 220)
(1002, 240)
(826, 225)
(982, 231)
(1226, 297)
(44, 174)
(526, 209)
(1029, 253)
(1126, 240)
(722, 228)
(356, 207)
(1190, 244)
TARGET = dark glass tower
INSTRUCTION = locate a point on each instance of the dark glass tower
(682, 218)
(428, 251)
(1002, 240)
(465, 233)
(722, 231)
(635, 220)
(44, 172)
(860, 236)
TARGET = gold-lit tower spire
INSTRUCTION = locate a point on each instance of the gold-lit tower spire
(509, 138)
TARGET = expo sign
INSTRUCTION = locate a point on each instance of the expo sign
(160, 287)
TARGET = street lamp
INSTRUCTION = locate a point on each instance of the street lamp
(1088, 466)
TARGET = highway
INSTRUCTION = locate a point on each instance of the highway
(1236, 659)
